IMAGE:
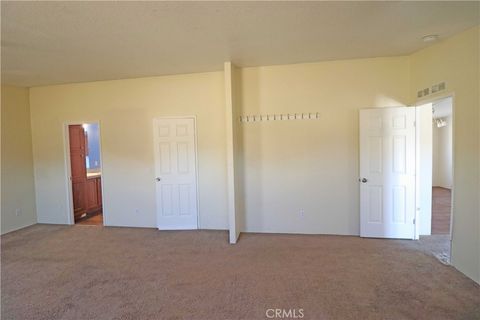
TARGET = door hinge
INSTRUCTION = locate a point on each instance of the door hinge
(414, 123)
(414, 220)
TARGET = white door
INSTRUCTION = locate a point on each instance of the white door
(387, 173)
(176, 179)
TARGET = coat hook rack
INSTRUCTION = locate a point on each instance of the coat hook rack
(279, 117)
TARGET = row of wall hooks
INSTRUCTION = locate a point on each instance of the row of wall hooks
(280, 117)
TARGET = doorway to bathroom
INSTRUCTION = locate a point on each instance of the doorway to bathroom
(85, 174)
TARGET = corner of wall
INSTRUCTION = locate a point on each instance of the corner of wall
(455, 61)
(18, 201)
(232, 111)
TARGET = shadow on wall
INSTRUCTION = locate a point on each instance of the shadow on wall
(251, 176)
(386, 101)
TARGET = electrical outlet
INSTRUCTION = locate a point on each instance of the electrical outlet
(302, 212)
(18, 212)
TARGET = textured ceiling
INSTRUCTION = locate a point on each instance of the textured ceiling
(61, 42)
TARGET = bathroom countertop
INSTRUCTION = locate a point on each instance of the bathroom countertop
(92, 175)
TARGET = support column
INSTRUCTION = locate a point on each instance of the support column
(232, 113)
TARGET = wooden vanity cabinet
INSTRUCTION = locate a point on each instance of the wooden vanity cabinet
(94, 194)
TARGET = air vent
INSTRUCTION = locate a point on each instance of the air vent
(433, 89)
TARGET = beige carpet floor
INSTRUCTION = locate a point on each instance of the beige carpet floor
(87, 272)
(438, 245)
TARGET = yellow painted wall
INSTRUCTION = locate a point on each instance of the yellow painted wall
(456, 61)
(288, 167)
(125, 109)
(17, 183)
(312, 166)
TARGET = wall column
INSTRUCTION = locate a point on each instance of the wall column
(233, 133)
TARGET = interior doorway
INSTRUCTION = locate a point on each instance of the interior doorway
(436, 187)
(85, 173)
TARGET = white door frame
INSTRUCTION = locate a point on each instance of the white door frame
(420, 102)
(419, 178)
(194, 118)
(68, 169)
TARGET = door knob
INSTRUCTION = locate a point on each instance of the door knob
(363, 180)
(158, 179)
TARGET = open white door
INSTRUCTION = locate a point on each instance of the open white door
(175, 168)
(387, 173)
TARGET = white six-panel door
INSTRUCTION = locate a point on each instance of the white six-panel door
(175, 169)
(387, 173)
